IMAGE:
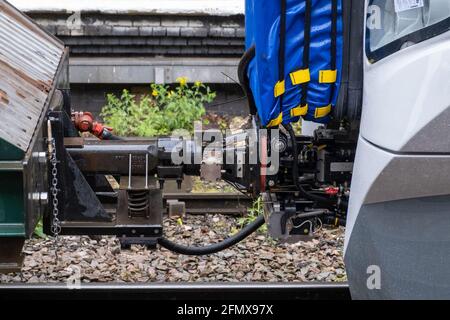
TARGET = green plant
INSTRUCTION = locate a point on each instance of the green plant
(297, 127)
(160, 112)
(39, 230)
(223, 125)
(254, 212)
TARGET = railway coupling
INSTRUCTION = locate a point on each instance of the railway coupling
(109, 185)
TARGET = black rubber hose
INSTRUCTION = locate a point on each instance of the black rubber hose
(108, 135)
(114, 137)
(295, 175)
(214, 248)
(248, 56)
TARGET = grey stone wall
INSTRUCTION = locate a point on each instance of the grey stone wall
(100, 34)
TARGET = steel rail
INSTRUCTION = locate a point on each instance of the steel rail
(212, 203)
(179, 291)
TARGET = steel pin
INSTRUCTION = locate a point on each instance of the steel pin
(129, 172)
(146, 170)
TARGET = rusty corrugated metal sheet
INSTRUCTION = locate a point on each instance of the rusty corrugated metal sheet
(29, 60)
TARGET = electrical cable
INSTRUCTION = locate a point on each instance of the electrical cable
(295, 174)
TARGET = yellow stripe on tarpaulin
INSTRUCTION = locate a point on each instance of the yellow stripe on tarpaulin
(327, 76)
(322, 112)
(279, 89)
(300, 76)
(299, 111)
(276, 122)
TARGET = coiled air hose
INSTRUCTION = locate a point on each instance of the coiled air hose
(213, 248)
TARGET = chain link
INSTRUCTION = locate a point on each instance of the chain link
(56, 223)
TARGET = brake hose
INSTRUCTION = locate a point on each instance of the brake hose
(213, 248)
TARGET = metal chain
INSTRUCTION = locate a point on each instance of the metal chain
(56, 223)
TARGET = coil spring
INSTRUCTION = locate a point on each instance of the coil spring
(138, 204)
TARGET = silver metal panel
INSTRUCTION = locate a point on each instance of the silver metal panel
(398, 221)
(29, 60)
(409, 242)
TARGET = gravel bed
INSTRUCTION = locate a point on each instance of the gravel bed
(258, 258)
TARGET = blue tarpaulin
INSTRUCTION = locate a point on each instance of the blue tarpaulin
(263, 32)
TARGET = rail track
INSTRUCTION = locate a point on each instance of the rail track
(212, 203)
(196, 204)
(183, 291)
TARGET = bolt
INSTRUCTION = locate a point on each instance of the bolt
(40, 156)
(43, 197)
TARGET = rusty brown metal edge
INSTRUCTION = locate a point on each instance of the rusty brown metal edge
(47, 102)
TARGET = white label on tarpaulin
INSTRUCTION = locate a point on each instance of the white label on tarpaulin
(404, 5)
